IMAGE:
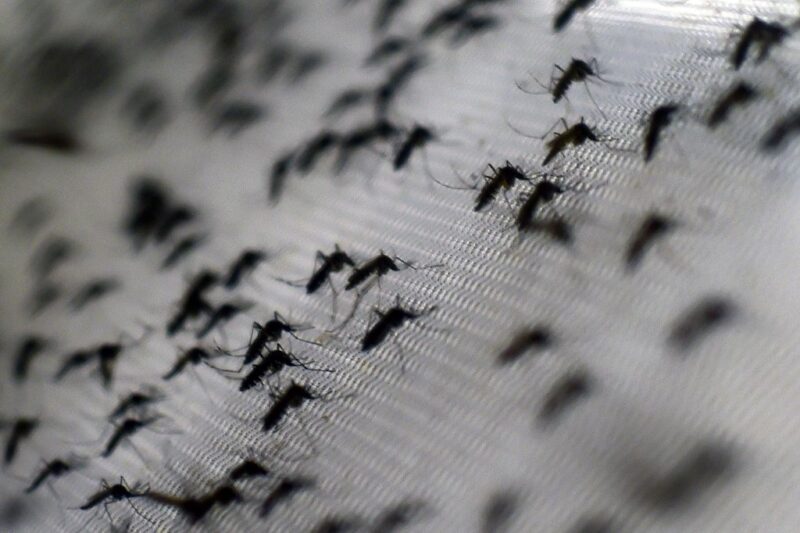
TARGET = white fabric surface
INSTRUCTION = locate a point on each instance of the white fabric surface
(453, 428)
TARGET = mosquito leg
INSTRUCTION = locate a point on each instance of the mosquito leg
(201, 383)
(333, 300)
(591, 97)
(108, 514)
(307, 433)
(140, 513)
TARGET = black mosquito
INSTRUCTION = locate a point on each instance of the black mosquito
(286, 489)
(243, 266)
(402, 73)
(765, 35)
(538, 337)
(305, 64)
(31, 215)
(248, 469)
(387, 49)
(445, 19)
(136, 401)
(189, 309)
(594, 524)
(173, 219)
(497, 179)
(544, 192)
(92, 291)
(372, 271)
(236, 116)
(782, 131)
(182, 248)
(655, 226)
(705, 465)
(228, 33)
(57, 140)
(193, 303)
(44, 295)
(278, 174)
(396, 80)
(325, 265)
(568, 11)
(51, 469)
(52, 254)
(318, 146)
(200, 284)
(196, 508)
(273, 330)
(575, 135)
(556, 228)
(271, 364)
(274, 60)
(362, 137)
(270, 331)
(292, 398)
(27, 350)
(338, 524)
(660, 118)
(698, 321)
(147, 107)
(74, 361)
(377, 267)
(472, 26)
(112, 493)
(115, 493)
(739, 95)
(212, 83)
(499, 511)
(398, 516)
(577, 71)
(389, 321)
(125, 430)
(417, 138)
(21, 430)
(222, 315)
(105, 355)
(346, 100)
(191, 357)
(564, 394)
(385, 13)
(149, 202)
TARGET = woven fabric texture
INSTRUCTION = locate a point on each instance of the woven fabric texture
(428, 419)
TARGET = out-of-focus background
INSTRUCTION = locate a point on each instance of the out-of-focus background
(147, 142)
